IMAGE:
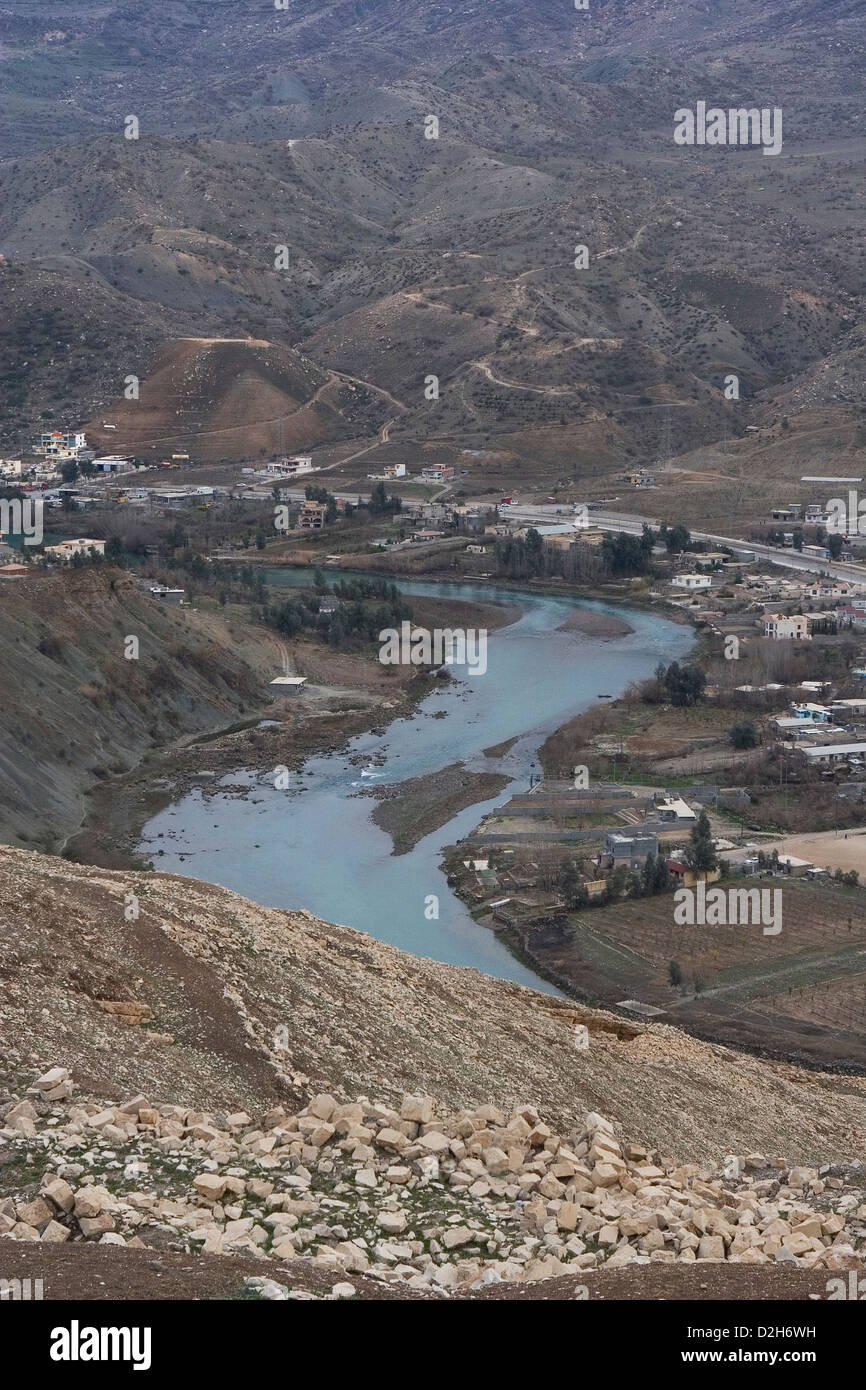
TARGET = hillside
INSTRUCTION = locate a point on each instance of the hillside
(76, 712)
(218, 1003)
(217, 398)
(453, 257)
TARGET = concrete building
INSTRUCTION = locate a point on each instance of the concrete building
(425, 537)
(847, 708)
(691, 582)
(79, 546)
(60, 444)
(437, 473)
(850, 615)
(113, 463)
(630, 851)
(787, 627)
(794, 867)
(287, 685)
(818, 714)
(676, 811)
(790, 727)
(312, 517)
(835, 753)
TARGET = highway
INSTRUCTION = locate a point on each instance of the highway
(613, 521)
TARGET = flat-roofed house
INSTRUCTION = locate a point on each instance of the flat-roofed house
(691, 581)
(630, 851)
(79, 546)
(287, 685)
(787, 627)
(675, 810)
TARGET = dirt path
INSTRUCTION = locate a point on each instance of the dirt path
(484, 366)
(827, 849)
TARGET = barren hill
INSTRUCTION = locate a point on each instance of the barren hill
(223, 397)
(452, 256)
(75, 710)
(242, 1006)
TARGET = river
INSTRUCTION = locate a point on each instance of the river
(315, 846)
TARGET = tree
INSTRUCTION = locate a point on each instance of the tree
(625, 554)
(700, 854)
(675, 973)
(661, 876)
(675, 538)
(647, 877)
(114, 552)
(380, 504)
(834, 545)
(684, 684)
(743, 735)
(572, 886)
(617, 883)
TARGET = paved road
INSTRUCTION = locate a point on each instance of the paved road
(613, 521)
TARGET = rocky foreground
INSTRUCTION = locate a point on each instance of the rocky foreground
(156, 983)
(434, 1202)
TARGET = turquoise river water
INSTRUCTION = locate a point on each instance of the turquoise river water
(315, 846)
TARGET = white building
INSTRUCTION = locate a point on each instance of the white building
(820, 714)
(829, 589)
(787, 627)
(848, 708)
(675, 810)
(113, 463)
(60, 444)
(79, 546)
(835, 753)
(692, 581)
(287, 685)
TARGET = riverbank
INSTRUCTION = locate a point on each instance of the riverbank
(350, 693)
(312, 842)
(634, 593)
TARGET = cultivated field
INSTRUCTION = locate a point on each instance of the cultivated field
(736, 983)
